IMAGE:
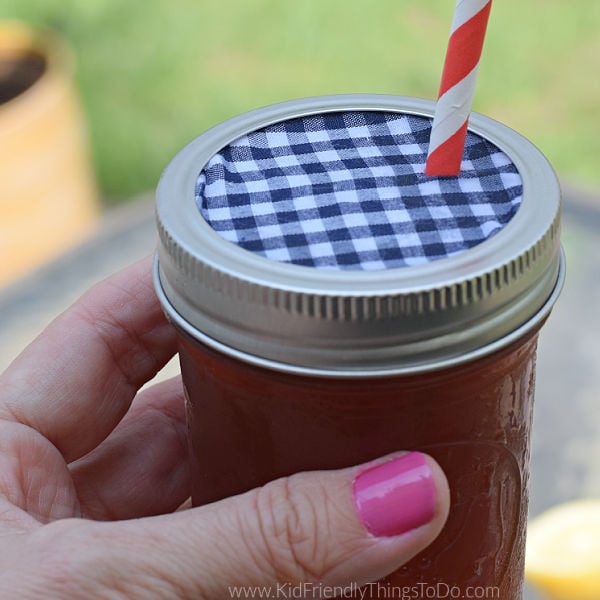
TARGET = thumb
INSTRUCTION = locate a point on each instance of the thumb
(331, 528)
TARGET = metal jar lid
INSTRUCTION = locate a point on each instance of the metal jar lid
(357, 323)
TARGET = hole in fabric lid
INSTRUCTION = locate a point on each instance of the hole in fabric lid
(347, 190)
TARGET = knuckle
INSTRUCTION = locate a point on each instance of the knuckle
(293, 529)
(57, 554)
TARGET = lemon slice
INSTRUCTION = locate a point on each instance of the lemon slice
(563, 551)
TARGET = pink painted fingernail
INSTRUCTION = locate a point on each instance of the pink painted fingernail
(395, 496)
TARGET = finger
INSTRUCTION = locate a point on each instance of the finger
(77, 379)
(34, 480)
(142, 468)
(326, 528)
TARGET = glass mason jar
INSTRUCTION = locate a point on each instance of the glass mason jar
(298, 355)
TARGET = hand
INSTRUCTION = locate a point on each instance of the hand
(92, 474)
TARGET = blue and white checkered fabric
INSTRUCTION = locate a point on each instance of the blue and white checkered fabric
(348, 191)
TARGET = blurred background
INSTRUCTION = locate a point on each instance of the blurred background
(153, 74)
(123, 84)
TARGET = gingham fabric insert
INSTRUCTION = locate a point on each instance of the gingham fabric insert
(348, 191)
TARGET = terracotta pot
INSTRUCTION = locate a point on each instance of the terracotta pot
(48, 197)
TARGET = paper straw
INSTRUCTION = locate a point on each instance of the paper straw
(449, 130)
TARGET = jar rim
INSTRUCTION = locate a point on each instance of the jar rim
(395, 320)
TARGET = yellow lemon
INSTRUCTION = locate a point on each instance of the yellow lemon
(563, 551)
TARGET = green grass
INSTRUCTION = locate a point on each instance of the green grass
(155, 73)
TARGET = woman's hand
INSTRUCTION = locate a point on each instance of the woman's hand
(92, 474)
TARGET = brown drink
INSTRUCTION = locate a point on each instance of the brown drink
(291, 366)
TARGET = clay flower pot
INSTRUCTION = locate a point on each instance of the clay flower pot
(48, 198)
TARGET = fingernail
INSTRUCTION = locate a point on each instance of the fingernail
(395, 496)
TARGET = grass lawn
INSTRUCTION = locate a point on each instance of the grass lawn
(155, 73)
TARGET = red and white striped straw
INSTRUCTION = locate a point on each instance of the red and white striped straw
(449, 130)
